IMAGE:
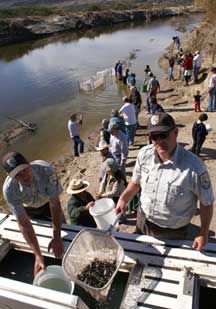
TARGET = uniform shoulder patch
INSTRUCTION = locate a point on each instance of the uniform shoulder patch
(204, 180)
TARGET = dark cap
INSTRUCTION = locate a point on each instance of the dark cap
(161, 122)
(213, 68)
(14, 162)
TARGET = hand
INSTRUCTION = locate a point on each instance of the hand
(199, 242)
(89, 205)
(39, 264)
(57, 247)
(98, 195)
(120, 207)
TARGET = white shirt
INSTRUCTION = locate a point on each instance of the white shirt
(197, 61)
(129, 113)
(119, 147)
(170, 190)
(212, 82)
(74, 128)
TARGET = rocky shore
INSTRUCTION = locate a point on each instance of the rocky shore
(22, 29)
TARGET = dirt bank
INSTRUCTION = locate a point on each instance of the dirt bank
(24, 27)
(178, 101)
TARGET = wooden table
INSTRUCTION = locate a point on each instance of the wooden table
(163, 274)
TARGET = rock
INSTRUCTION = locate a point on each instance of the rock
(22, 29)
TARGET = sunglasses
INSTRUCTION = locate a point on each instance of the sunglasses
(154, 136)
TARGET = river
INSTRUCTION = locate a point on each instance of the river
(39, 79)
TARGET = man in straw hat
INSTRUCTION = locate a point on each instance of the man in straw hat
(212, 90)
(32, 190)
(79, 203)
(171, 180)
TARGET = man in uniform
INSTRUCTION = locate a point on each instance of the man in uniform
(171, 180)
(32, 191)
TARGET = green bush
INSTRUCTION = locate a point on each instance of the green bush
(26, 11)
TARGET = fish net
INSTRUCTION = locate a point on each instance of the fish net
(88, 246)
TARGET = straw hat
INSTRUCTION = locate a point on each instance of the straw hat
(102, 145)
(77, 186)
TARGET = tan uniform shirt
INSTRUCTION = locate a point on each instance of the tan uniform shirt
(170, 190)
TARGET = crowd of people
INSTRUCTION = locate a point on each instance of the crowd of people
(167, 180)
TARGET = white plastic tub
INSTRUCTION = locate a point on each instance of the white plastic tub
(103, 213)
(54, 279)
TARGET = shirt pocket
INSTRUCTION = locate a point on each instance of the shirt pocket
(174, 195)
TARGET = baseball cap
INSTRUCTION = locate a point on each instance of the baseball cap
(161, 122)
(14, 162)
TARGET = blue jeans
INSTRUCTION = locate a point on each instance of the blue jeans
(77, 141)
(196, 73)
(130, 131)
(212, 100)
(148, 105)
(170, 73)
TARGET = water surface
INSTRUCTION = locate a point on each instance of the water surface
(39, 79)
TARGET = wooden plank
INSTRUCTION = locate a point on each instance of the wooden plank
(154, 299)
(157, 272)
(120, 235)
(134, 246)
(160, 286)
(3, 217)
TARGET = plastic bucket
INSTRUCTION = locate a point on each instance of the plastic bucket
(103, 213)
(53, 278)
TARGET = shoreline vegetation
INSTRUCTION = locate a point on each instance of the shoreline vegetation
(18, 24)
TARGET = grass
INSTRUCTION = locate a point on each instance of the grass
(47, 11)
(26, 11)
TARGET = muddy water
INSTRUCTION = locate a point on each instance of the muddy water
(39, 80)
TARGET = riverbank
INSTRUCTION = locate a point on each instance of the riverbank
(19, 29)
(178, 101)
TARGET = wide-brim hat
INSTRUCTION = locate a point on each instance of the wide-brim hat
(102, 145)
(77, 186)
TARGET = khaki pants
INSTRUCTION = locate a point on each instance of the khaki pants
(146, 227)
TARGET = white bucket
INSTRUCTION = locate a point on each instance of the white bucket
(53, 278)
(103, 213)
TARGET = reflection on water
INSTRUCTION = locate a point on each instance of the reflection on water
(39, 79)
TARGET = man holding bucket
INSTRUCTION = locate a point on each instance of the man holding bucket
(32, 191)
(171, 180)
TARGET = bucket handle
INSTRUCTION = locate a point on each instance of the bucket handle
(110, 228)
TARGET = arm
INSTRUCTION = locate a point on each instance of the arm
(113, 192)
(131, 190)
(56, 243)
(81, 119)
(206, 213)
(30, 237)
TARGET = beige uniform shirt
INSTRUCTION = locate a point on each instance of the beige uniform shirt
(170, 190)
